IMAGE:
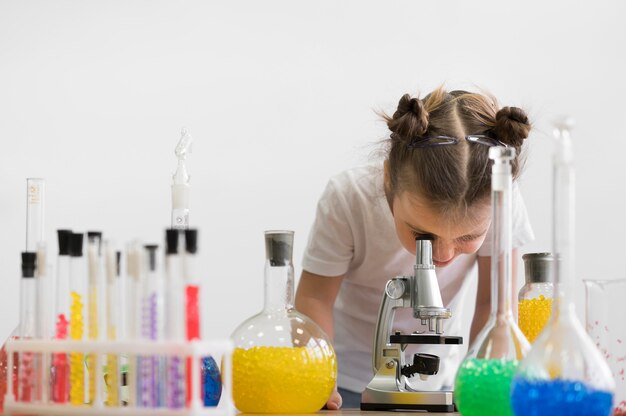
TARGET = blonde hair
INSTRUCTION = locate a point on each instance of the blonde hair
(451, 177)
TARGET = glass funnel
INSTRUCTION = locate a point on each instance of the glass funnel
(564, 373)
(483, 381)
(605, 310)
(283, 362)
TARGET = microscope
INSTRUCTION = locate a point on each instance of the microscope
(390, 388)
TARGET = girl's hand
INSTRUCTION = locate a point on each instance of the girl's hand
(334, 401)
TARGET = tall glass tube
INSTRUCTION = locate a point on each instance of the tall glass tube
(35, 192)
(180, 184)
(564, 373)
(60, 363)
(28, 379)
(484, 379)
(78, 316)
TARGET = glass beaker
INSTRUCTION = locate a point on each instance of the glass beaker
(283, 362)
(605, 310)
(483, 381)
(564, 373)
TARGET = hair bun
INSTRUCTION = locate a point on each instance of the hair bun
(512, 126)
(410, 119)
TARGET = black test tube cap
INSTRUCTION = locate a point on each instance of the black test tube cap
(118, 263)
(64, 242)
(152, 255)
(94, 234)
(29, 263)
(171, 240)
(95, 237)
(191, 240)
(76, 244)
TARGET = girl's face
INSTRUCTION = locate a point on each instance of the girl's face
(414, 217)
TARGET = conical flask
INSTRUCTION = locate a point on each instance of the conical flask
(283, 362)
(564, 373)
(483, 381)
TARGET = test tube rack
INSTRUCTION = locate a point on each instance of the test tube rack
(220, 349)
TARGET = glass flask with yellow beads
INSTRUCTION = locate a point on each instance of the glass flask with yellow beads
(283, 362)
(535, 297)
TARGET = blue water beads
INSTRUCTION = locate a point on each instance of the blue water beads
(558, 398)
(211, 382)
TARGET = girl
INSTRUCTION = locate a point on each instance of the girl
(435, 182)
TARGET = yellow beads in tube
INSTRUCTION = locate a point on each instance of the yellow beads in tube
(77, 360)
(533, 314)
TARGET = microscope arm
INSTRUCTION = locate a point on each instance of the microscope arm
(397, 295)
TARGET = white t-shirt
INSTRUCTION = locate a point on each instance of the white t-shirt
(354, 235)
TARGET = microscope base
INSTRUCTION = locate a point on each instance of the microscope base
(430, 401)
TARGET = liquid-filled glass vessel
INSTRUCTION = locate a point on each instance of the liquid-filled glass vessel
(483, 381)
(535, 297)
(283, 362)
(564, 373)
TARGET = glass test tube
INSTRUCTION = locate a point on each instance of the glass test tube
(180, 184)
(28, 376)
(78, 317)
(112, 378)
(175, 318)
(134, 265)
(60, 363)
(95, 291)
(211, 386)
(192, 303)
(35, 191)
(151, 368)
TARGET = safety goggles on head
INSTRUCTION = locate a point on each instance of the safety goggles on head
(420, 142)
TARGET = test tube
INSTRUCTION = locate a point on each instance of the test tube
(35, 192)
(192, 303)
(95, 291)
(112, 281)
(151, 368)
(134, 265)
(60, 364)
(211, 379)
(28, 375)
(45, 316)
(78, 300)
(175, 318)
(180, 184)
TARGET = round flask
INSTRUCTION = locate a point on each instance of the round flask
(535, 297)
(283, 362)
(483, 381)
(564, 373)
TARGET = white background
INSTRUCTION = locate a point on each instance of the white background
(279, 96)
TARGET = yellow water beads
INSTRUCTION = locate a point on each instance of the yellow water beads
(282, 379)
(77, 359)
(533, 314)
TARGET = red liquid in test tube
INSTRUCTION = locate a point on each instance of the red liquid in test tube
(193, 326)
(60, 364)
